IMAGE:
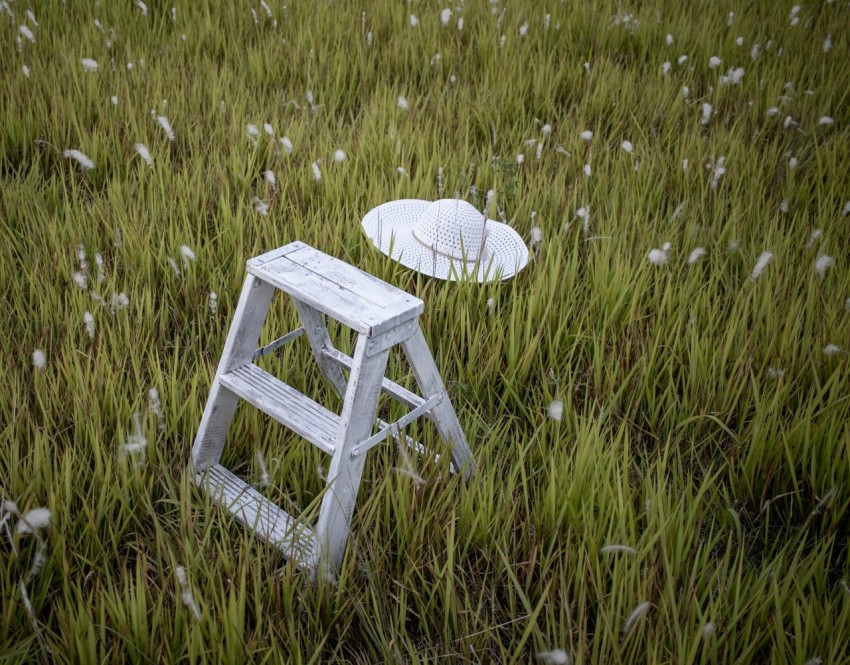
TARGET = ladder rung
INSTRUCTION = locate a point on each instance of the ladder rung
(256, 512)
(285, 404)
(392, 389)
(279, 342)
(372, 441)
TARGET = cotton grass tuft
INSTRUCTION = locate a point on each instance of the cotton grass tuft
(555, 410)
(637, 614)
(33, 521)
(763, 260)
(38, 359)
(618, 549)
(823, 263)
(554, 657)
(144, 153)
(166, 126)
(696, 255)
(89, 65)
(82, 159)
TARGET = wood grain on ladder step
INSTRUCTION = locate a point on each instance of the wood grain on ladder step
(256, 512)
(343, 292)
(282, 402)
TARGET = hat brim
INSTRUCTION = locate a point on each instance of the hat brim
(390, 227)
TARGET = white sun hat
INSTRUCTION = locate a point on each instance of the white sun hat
(447, 239)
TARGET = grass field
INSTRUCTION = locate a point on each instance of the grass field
(687, 503)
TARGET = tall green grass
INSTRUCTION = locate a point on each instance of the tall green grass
(727, 479)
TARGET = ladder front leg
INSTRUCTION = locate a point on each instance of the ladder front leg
(242, 339)
(358, 415)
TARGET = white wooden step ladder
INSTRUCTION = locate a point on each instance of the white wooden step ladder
(384, 316)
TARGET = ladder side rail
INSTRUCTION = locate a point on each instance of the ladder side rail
(238, 350)
(443, 414)
(356, 420)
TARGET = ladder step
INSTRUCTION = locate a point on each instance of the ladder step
(282, 402)
(343, 292)
(394, 390)
(253, 510)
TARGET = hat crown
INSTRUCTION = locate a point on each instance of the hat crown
(454, 228)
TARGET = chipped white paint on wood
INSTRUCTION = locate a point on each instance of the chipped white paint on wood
(343, 292)
(443, 414)
(385, 317)
(358, 414)
(319, 339)
(391, 388)
(285, 404)
(238, 350)
(253, 510)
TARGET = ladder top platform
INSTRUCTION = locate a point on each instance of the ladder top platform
(363, 302)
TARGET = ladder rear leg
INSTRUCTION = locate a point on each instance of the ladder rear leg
(443, 414)
(317, 334)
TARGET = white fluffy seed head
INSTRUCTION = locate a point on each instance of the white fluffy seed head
(260, 206)
(286, 143)
(763, 260)
(627, 146)
(823, 263)
(144, 153)
(554, 657)
(536, 235)
(270, 177)
(445, 16)
(34, 521)
(832, 350)
(587, 135)
(339, 156)
(166, 126)
(826, 120)
(83, 160)
(89, 65)
(38, 359)
(26, 32)
(657, 257)
(587, 170)
(637, 614)
(696, 255)
(708, 630)
(88, 321)
(402, 104)
(618, 549)
(213, 302)
(414, 21)
(80, 280)
(555, 410)
(317, 173)
(714, 62)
